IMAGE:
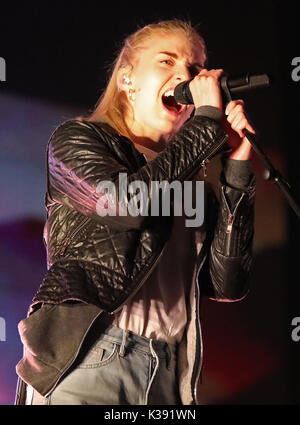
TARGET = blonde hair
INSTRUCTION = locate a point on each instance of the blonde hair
(112, 105)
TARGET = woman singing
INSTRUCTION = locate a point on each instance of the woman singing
(116, 318)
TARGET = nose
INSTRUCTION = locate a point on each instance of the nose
(182, 74)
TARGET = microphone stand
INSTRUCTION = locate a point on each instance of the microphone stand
(270, 173)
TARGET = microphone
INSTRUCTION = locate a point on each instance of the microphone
(228, 85)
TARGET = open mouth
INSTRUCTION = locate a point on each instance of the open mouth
(170, 103)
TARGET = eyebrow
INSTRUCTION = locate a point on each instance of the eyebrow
(175, 56)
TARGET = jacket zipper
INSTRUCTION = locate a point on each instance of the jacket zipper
(72, 235)
(75, 357)
(141, 282)
(204, 166)
(209, 155)
(215, 148)
(230, 220)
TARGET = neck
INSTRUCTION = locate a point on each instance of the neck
(156, 146)
(155, 141)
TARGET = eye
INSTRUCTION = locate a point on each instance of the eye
(167, 61)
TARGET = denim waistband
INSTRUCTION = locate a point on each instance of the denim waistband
(131, 340)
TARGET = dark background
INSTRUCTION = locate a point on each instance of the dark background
(57, 57)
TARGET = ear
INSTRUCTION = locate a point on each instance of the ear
(123, 78)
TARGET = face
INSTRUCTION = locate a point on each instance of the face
(165, 61)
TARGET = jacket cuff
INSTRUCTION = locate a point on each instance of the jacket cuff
(236, 179)
(237, 173)
(231, 249)
(235, 226)
(210, 112)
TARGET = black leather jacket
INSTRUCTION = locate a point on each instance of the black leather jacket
(104, 260)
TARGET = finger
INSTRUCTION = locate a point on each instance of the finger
(239, 126)
(216, 73)
(250, 128)
(219, 72)
(236, 113)
(211, 72)
(232, 105)
(237, 120)
(240, 123)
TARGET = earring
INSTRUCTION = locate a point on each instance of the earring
(132, 95)
(126, 80)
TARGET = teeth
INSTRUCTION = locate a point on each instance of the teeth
(169, 93)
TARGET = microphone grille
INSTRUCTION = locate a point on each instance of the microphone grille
(183, 94)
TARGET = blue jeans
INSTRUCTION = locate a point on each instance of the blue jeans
(117, 367)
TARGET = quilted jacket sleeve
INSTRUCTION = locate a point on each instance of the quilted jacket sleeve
(80, 159)
(226, 272)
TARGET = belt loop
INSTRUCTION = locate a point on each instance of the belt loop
(122, 348)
